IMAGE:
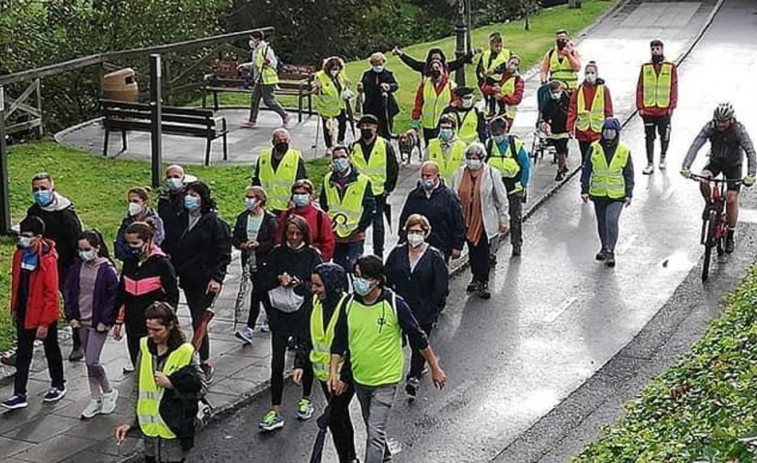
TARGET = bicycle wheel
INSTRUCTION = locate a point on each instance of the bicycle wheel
(709, 243)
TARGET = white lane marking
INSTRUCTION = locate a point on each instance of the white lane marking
(625, 245)
(562, 307)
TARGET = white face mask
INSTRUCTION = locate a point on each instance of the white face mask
(556, 95)
(134, 209)
(415, 240)
(473, 164)
(334, 72)
(591, 77)
(467, 103)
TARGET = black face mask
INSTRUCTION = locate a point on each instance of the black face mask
(657, 58)
(281, 147)
(561, 44)
(436, 74)
(366, 134)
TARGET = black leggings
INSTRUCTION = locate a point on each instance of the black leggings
(255, 301)
(340, 423)
(661, 125)
(282, 327)
(341, 120)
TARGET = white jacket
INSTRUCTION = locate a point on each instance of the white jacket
(493, 198)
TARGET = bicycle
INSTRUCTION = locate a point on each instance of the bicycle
(714, 220)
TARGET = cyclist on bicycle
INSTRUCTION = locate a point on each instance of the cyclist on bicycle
(728, 140)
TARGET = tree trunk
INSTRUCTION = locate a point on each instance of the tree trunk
(574, 3)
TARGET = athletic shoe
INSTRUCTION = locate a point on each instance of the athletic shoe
(15, 401)
(248, 124)
(610, 261)
(209, 371)
(648, 170)
(76, 355)
(54, 394)
(271, 421)
(93, 409)
(264, 328)
(472, 286)
(601, 255)
(128, 368)
(560, 176)
(411, 388)
(109, 402)
(305, 409)
(483, 290)
(287, 120)
(245, 335)
(729, 244)
(663, 166)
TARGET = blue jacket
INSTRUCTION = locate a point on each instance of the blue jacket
(424, 289)
(443, 211)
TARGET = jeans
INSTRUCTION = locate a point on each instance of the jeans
(478, 255)
(346, 254)
(660, 124)
(337, 133)
(378, 226)
(375, 405)
(92, 342)
(417, 362)
(340, 423)
(608, 216)
(284, 325)
(266, 93)
(198, 300)
(25, 353)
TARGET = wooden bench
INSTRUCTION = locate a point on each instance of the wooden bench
(226, 77)
(189, 122)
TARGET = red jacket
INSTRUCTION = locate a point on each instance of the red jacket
(418, 107)
(43, 300)
(673, 92)
(322, 237)
(589, 90)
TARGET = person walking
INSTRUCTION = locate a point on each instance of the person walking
(139, 211)
(433, 54)
(264, 75)
(277, 169)
(255, 236)
(347, 197)
(371, 329)
(90, 293)
(321, 232)
(439, 204)
(147, 279)
(203, 251)
(607, 179)
(63, 226)
(332, 94)
(434, 94)
(656, 99)
(554, 122)
(167, 388)
(171, 199)
(285, 278)
(35, 307)
(417, 272)
(378, 86)
(329, 288)
(490, 68)
(484, 202)
(447, 150)
(374, 156)
(589, 106)
(561, 62)
(509, 92)
(470, 121)
(509, 156)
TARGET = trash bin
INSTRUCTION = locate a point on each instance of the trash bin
(121, 85)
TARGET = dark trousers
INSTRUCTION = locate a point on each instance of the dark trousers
(661, 126)
(478, 255)
(341, 120)
(266, 93)
(378, 226)
(346, 254)
(255, 301)
(417, 362)
(198, 300)
(25, 352)
(428, 134)
(282, 327)
(340, 423)
(585, 151)
(515, 208)
(608, 216)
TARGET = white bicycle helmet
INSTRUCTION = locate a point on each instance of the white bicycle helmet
(723, 112)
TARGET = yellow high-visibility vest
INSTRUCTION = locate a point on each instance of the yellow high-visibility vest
(433, 104)
(590, 118)
(329, 102)
(449, 163)
(608, 181)
(508, 89)
(656, 88)
(504, 162)
(562, 70)
(375, 168)
(467, 125)
(501, 59)
(278, 183)
(345, 213)
(320, 355)
(268, 74)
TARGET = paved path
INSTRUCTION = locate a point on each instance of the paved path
(241, 371)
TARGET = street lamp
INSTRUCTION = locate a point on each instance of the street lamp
(461, 34)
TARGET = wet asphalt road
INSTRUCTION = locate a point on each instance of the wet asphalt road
(556, 316)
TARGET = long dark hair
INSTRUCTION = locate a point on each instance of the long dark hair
(165, 314)
(95, 239)
(207, 203)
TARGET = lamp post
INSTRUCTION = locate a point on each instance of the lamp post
(156, 110)
(5, 206)
(461, 34)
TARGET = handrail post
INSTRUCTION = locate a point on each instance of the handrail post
(156, 107)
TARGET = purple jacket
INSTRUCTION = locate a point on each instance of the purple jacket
(104, 300)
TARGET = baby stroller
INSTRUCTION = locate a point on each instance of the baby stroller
(542, 140)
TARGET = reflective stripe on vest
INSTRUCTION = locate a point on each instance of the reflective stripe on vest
(448, 162)
(375, 342)
(507, 166)
(329, 102)
(508, 89)
(591, 118)
(345, 213)
(656, 88)
(434, 104)
(375, 168)
(278, 184)
(320, 356)
(269, 74)
(608, 181)
(501, 59)
(467, 125)
(148, 403)
(562, 70)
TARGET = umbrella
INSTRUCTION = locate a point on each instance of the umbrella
(320, 438)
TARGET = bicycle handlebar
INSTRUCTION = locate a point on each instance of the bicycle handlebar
(716, 180)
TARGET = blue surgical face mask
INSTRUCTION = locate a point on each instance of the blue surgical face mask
(174, 183)
(498, 138)
(341, 164)
(377, 69)
(191, 203)
(301, 199)
(362, 286)
(473, 164)
(43, 197)
(446, 134)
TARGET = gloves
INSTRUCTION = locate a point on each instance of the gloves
(686, 173)
(415, 124)
(347, 94)
(748, 181)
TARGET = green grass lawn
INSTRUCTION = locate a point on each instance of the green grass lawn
(529, 45)
(98, 186)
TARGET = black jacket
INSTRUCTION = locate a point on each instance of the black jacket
(136, 290)
(170, 207)
(62, 226)
(423, 66)
(296, 262)
(374, 100)
(266, 236)
(425, 289)
(202, 253)
(556, 113)
(443, 212)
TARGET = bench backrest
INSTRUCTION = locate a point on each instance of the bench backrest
(225, 69)
(120, 110)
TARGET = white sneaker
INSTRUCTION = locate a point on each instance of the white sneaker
(245, 335)
(109, 402)
(264, 328)
(663, 166)
(93, 409)
(648, 170)
(128, 368)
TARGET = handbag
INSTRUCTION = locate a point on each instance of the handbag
(285, 299)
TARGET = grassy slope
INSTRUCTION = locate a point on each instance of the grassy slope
(529, 45)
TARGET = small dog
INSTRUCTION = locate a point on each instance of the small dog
(408, 142)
